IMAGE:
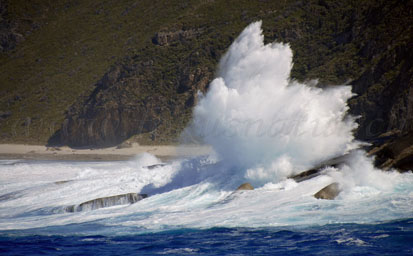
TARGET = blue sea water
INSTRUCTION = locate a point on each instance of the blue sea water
(195, 214)
(391, 238)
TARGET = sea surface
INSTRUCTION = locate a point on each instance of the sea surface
(193, 215)
(389, 238)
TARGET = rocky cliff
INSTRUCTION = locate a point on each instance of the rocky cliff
(140, 96)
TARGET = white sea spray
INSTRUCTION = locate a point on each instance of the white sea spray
(265, 124)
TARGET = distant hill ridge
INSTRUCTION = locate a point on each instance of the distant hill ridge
(92, 74)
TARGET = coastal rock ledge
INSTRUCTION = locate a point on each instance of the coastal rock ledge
(329, 192)
(103, 202)
(245, 186)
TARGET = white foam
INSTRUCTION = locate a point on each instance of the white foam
(204, 201)
(258, 120)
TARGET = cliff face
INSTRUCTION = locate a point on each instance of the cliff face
(366, 43)
(122, 105)
(385, 88)
(125, 69)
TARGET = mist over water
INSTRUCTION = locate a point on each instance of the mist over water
(259, 120)
(262, 126)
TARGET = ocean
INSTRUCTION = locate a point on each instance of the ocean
(263, 128)
(389, 238)
(198, 214)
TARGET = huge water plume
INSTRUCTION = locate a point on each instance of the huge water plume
(259, 120)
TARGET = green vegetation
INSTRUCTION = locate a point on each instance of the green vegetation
(69, 46)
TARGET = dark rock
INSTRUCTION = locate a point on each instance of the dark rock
(314, 172)
(245, 186)
(306, 175)
(395, 152)
(384, 89)
(236, 193)
(62, 182)
(110, 114)
(127, 101)
(70, 208)
(103, 202)
(150, 167)
(330, 192)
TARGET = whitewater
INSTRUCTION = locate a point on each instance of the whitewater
(263, 128)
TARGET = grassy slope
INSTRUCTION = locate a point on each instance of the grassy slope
(76, 42)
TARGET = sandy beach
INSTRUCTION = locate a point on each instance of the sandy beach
(40, 152)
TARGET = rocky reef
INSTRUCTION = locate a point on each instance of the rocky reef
(331, 191)
(103, 202)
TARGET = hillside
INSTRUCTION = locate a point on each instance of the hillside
(93, 75)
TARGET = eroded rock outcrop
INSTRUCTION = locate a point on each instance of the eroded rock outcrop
(132, 99)
(245, 186)
(329, 192)
(384, 99)
(314, 172)
(103, 202)
(395, 152)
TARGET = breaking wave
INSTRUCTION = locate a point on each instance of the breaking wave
(263, 128)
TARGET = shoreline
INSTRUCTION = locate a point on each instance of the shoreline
(41, 152)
